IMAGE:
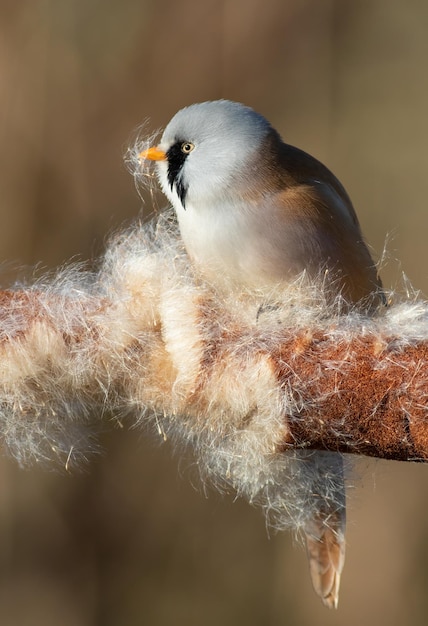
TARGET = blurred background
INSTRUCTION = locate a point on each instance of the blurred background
(133, 540)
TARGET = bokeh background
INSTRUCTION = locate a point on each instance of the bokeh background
(133, 540)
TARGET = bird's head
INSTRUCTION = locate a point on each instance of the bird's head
(207, 149)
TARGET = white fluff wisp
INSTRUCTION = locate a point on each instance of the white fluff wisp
(145, 337)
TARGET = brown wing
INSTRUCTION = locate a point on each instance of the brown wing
(349, 258)
(319, 238)
(321, 232)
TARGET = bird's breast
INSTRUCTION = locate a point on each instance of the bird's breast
(259, 246)
(234, 244)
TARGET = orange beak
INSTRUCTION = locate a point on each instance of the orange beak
(153, 154)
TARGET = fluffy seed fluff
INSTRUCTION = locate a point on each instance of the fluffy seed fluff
(146, 337)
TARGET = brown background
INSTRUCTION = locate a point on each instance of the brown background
(131, 541)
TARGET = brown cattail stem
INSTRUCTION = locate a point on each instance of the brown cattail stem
(375, 403)
(214, 371)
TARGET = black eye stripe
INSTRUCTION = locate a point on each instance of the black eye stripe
(176, 158)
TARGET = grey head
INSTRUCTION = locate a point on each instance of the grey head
(209, 146)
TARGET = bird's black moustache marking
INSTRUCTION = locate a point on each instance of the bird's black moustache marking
(176, 158)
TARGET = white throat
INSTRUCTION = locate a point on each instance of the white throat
(212, 236)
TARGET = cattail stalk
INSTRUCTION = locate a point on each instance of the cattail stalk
(243, 383)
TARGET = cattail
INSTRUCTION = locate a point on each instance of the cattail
(244, 383)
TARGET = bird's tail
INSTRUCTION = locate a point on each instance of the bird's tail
(324, 530)
(325, 547)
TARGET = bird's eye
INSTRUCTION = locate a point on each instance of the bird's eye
(187, 147)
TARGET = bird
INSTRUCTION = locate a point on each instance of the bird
(255, 212)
